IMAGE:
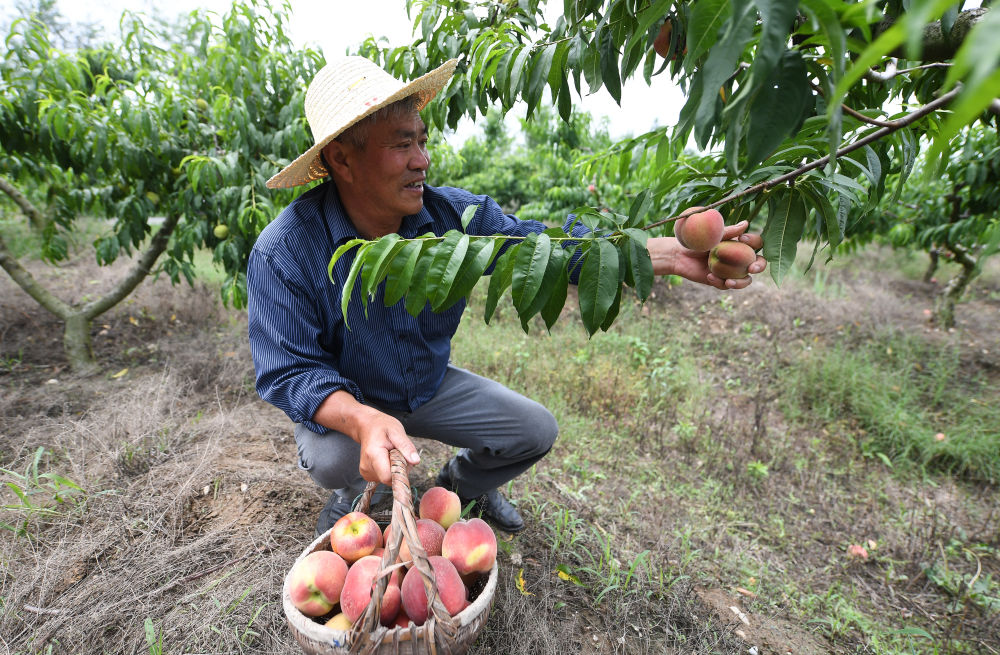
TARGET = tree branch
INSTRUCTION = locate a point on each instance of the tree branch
(937, 45)
(142, 268)
(35, 216)
(891, 127)
(31, 286)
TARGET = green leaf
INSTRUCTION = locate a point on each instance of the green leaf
(448, 258)
(599, 284)
(554, 270)
(639, 263)
(477, 260)
(500, 280)
(776, 114)
(529, 269)
(972, 101)
(540, 66)
(400, 272)
(552, 309)
(707, 17)
(416, 295)
(468, 214)
(375, 262)
(640, 206)
(339, 253)
(352, 276)
(785, 223)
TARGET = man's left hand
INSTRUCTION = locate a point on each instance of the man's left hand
(671, 258)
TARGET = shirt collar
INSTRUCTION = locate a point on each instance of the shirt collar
(342, 229)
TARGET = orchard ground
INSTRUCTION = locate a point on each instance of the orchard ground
(719, 453)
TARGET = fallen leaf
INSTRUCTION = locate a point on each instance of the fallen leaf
(119, 374)
(520, 583)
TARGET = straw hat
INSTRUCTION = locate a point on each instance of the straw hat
(342, 93)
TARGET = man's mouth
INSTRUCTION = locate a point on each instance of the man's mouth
(417, 186)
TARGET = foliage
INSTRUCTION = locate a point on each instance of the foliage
(35, 493)
(797, 96)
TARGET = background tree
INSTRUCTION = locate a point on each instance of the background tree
(813, 106)
(170, 140)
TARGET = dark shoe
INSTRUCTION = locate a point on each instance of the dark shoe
(335, 507)
(492, 506)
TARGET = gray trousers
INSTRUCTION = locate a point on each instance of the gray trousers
(500, 434)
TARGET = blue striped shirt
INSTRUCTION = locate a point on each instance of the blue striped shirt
(302, 350)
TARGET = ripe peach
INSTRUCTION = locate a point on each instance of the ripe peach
(358, 588)
(339, 622)
(355, 535)
(661, 44)
(450, 589)
(441, 505)
(430, 533)
(402, 620)
(471, 546)
(316, 581)
(730, 259)
(701, 231)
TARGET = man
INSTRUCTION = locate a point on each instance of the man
(356, 393)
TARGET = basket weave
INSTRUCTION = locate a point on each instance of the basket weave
(440, 634)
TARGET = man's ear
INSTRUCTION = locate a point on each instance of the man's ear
(337, 159)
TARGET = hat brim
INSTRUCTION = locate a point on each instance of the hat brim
(308, 166)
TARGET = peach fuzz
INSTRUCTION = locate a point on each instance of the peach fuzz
(450, 589)
(358, 588)
(441, 505)
(316, 581)
(471, 546)
(355, 535)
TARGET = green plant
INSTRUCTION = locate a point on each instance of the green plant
(36, 492)
(153, 640)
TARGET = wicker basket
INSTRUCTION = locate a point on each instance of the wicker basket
(440, 634)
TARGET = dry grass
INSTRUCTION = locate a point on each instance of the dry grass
(194, 509)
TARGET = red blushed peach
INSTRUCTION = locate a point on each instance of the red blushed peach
(358, 587)
(449, 586)
(441, 505)
(471, 546)
(355, 535)
(430, 533)
(315, 582)
(730, 260)
(701, 231)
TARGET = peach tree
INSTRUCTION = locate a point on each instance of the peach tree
(816, 112)
(168, 137)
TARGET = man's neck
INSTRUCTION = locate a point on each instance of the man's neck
(368, 225)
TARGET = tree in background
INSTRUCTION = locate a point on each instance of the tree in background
(168, 135)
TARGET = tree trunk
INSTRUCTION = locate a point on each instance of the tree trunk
(944, 305)
(76, 344)
(77, 319)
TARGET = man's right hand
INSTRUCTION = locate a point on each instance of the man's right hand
(379, 434)
(375, 431)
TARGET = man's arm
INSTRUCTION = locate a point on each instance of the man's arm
(375, 431)
(671, 258)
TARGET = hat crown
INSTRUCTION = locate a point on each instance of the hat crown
(343, 92)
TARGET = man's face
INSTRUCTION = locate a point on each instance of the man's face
(391, 169)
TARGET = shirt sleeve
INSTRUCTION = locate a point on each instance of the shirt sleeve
(490, 219)
(294, 373)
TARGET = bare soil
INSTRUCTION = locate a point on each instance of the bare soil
(195, 508)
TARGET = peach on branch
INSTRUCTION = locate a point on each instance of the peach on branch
(358, 588)
(355, 535)
(316, 581)
(471, 546)
(441, 505)
(700, 231)
(449, 585)
(731, 259)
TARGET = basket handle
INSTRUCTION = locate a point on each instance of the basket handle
(367, 633)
